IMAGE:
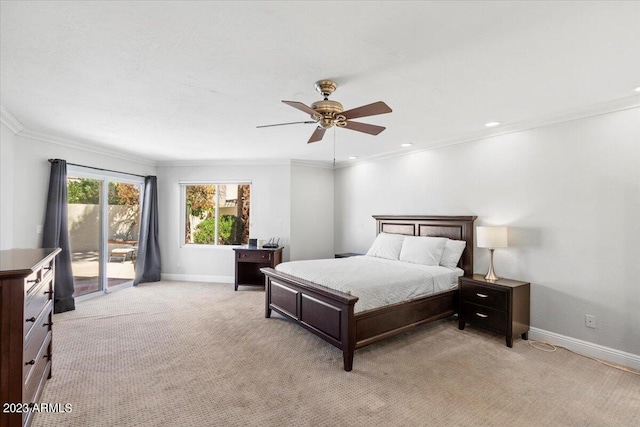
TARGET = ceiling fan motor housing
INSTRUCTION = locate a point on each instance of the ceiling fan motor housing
(328, 112)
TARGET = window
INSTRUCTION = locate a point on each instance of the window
(216, 214)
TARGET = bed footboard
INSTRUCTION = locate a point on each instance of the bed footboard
(323, 311)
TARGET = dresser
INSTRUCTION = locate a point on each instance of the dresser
(249, 261)
(501, 306)
(26, 307)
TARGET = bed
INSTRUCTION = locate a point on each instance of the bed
(330, 314)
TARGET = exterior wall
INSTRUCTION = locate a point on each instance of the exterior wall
(84, 226)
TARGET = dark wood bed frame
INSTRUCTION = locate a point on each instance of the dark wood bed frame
(330, 314)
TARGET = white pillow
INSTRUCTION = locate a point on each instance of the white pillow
(386, 246)
(422, 250)
(452, 252)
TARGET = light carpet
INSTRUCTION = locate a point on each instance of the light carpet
(200, 354)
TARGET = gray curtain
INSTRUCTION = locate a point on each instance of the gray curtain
(148, 262)
(55, 234)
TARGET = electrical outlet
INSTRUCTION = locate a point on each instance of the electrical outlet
(590, 321)
(39, 229)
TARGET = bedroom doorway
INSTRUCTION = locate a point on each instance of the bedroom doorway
(104, 223)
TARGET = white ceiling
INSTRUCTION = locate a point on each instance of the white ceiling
(183, 81)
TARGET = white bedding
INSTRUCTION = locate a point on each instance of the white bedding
(375, 281)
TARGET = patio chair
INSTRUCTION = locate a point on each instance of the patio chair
(121, 254)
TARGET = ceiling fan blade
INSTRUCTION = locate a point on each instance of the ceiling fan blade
(300, 106)
(283, 124)
(364, 127)
(367, 110)
(317, 135)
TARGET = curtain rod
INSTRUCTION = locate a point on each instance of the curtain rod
(99, 169)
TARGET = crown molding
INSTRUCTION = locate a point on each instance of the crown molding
(616, 105)
(18, 128)
(223, 162)
(248, 162)
(320, 164)
(10, 121)
(85, 146)
(580, 113)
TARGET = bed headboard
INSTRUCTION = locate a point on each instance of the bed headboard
(452, 227)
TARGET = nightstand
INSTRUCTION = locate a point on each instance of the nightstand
(249, 261)
(347, 254)
(500, 306)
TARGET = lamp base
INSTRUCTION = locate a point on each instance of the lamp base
(491, 275)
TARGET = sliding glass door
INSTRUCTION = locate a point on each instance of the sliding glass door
(104, 223)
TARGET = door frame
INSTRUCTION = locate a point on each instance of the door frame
(105, 177)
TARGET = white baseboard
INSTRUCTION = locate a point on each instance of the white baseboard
(197, 278)
(587, 348)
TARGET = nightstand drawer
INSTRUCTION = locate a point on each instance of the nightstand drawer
(484, 317)
(484, 295)
(254, 256)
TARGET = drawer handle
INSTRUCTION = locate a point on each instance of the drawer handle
(48, 324)
(482, 315)
(30, 362)
(34, 281)
(48, 292)
(482, 295)
(31, 319)
(47, 268)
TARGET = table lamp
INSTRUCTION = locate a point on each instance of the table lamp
(491, 238)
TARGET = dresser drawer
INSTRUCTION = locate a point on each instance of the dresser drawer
(34, 344)
(37, 299)
(46, 272)
(485, 317)
(35, 302)
(38, 372)
(484, 295)
(254, 256)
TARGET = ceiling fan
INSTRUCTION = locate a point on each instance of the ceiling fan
(327, 113)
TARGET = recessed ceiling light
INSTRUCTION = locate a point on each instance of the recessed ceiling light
(406, 144)
(352, 157)
(492, 124)
(636, 89)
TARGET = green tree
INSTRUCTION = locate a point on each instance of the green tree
(83, 191)
(86, 191)
(205, 232)
(228, 230)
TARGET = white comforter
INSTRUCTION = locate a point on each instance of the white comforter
(375, 281)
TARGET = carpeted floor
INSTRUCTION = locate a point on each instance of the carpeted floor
(200, 354)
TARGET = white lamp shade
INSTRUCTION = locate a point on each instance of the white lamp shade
(491, 237)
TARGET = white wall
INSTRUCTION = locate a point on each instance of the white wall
(311, 212)
(8, 141)
(270, 217)
(31, 182)
(570, 194)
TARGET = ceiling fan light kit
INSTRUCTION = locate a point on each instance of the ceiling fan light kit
(328, 113)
